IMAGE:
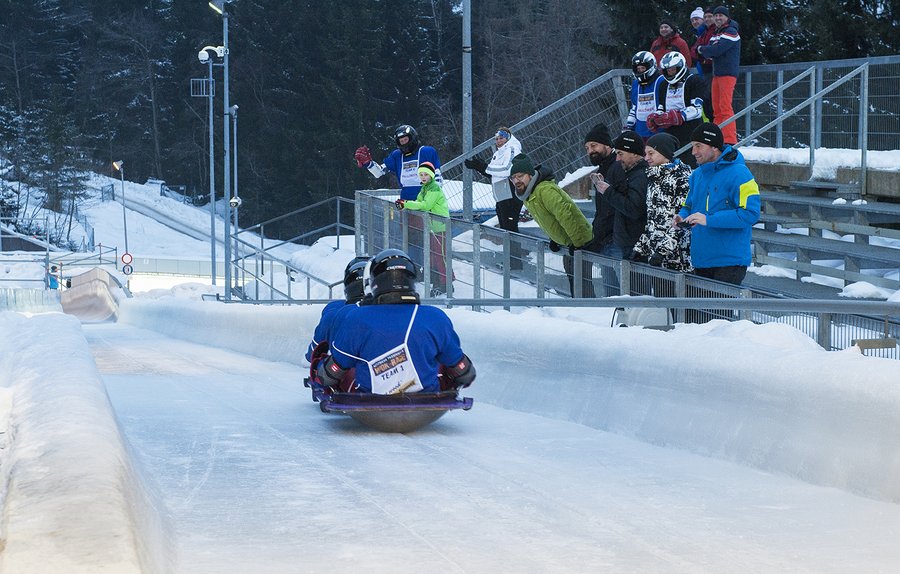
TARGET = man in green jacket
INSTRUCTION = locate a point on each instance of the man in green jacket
(552, 209)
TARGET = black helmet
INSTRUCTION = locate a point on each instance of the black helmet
(413, 143)
(673, 60)
(646, 59)
(391, 271)
(353, 279)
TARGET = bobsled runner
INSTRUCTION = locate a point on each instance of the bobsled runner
(402, 412)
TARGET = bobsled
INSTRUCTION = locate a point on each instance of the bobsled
(401, 412)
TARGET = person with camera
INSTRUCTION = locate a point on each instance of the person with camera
(721, 207)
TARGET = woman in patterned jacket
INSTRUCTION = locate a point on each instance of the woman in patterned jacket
(661, 244)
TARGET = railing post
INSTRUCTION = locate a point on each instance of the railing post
(863, 127)
(357, 223)
(448, 257)
(387, 214)
(813, 121)
(577, 274)
(337, 223)
(539, 270)
(476, 263)
(625, 277)
(779, 109)
(426, 251)
(820, 83)
(823, 331)
(748, 100)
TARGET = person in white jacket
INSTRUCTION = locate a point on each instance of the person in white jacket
(508, 206)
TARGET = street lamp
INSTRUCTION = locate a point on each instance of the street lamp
(118, 165)
(204, 56)
(235, 200)
(219, 7)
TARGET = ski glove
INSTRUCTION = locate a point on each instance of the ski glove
(554, 246)
(655, 259)
(476, 164)
(462, 374)
(571, 251)
(667, 119)
(363, 156)
(399, 203)
(651, 122)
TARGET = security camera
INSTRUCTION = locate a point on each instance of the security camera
(235, 202)
(203, 56)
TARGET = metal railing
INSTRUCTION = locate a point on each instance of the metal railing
(495, 268)
(260, 272)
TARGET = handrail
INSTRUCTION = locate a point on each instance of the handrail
(808, 72)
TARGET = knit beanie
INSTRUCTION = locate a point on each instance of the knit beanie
(427, 167)
(599, 134)
(697, 13)
(521, 164)
(665, 144)
(722, 10)
(710, 134)
(631, 142)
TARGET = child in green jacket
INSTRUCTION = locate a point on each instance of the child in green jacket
(431, 199)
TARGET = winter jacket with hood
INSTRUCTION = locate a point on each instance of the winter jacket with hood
(431, 198)
(554, 211)
(627, 194)
(667, 189)
(725, 191)
(498, 168)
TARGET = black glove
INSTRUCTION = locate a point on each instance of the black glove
(399, 203)
(638, 257)
(476, 164)
(554, 246)
(655, 259)
(571, 251)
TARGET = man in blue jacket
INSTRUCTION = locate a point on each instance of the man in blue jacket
(721, 208)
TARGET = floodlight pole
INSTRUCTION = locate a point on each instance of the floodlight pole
(467, 105)
(234, 118)
(226, 185)
(212, 177)
(120, 167)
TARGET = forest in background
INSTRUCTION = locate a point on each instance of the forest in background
(85, 83)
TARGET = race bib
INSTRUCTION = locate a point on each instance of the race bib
(394, 372)
(409, 173)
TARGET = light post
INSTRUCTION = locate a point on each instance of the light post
(219, 6)
(119, 166)
(235, 201)
(210, 91)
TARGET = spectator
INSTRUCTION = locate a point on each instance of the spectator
(661, 244)
(669, 40)
(681, 108)
(724, 49)
(395, 344)
(599, 147)
(53, 277)
(697, 22)
(508, 206)
(625, 190)
(644, 93)
(721, 207)
(553, 210)
(704, 65)
(404, 163)
(431, 199)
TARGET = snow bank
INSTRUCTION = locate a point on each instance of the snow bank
(72, 501)
(765, 396)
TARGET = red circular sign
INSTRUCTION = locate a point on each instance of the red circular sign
(127, 258)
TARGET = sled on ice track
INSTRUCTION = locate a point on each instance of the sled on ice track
(402, 412)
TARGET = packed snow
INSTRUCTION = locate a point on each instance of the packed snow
(181, 439)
